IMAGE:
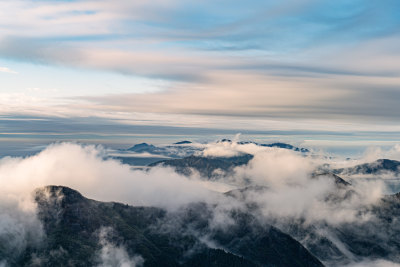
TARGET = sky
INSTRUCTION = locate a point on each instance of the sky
(321, 71)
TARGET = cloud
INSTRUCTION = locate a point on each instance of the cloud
(229, 149)
(277, 183)
(7, 70)
(111, 255)
(252, 94)
(353, 78)
(85, 169)
(291, 192)
(168, 65)
(19, 226)
(284, 172)
(58, 165)
(310, 78)
(370, 155)
(294, 72)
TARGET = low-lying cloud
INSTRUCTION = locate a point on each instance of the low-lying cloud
(280, 182)
(85, 169)
(112, 255)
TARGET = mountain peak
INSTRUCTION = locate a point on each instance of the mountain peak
(58, 193)
(182, 142)
(339, 181)
(286, 146)
(225, 141)
(141, 147)
(387, 161)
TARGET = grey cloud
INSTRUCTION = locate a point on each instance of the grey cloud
(38, 51)
(339, 100)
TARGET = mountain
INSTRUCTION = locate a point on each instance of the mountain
(339, 181)
(139, 161)
(241, 192)
(278, 145)
(376, 168)
(144, 147)
(177, 150)
(75, 227)
(339, 244)
(183, 143)
(286, 146)
(184, 149)
(225, 141)
(333, 243)
(206, 166)
(374, 239)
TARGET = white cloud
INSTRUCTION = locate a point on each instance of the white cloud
(288, 190)
(286, 173)
(83, 168)
(7, 70)
(111, 255)
(19, 225)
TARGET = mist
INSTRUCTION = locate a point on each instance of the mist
(111, 255)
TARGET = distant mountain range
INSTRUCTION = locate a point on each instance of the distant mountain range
(377, 167)
(184, 160)
(182, 143)
(206, 166)
(186, 157)
(184, 148)
(177, 150)
(190, 155)
(280, 145)
(212, 167)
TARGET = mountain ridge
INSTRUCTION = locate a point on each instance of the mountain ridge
(72, 224)
(375, 168)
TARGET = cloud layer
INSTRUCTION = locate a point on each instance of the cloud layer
(279, 182)
(292, 60)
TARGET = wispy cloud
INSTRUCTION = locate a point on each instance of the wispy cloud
(7, 70)
(289, 60)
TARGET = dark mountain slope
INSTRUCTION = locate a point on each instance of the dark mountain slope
(375, 234)
(72, 224)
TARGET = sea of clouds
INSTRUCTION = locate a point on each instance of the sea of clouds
(288, 189)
